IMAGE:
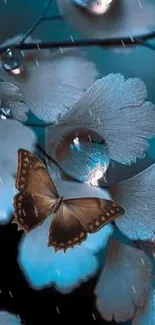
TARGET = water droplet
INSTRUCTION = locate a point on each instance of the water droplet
(11, 59)
(83, 155)
(96, 7)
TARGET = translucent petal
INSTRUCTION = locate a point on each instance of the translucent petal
(9, 92)
(19, 111)
(123, 19)
(13, 136)
(136, 195)
(117, 110)
(61, 85)
(43, 267)
(8, 319)
(146, 315)
(124, 282)
(7, 192)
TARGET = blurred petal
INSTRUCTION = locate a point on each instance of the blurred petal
(146, 315)
(61, 85)
(19, 111)
(43, 267)
(124, 282)
(117, 110)
(13, 136)
(7, 192)
(124, 18)
(8, 319)
(136, 195)
(9, 92)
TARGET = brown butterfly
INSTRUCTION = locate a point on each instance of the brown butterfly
(38, 198)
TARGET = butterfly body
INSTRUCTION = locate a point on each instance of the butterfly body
(38, 198)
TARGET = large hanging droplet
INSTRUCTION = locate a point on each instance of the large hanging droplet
(96, 7)
(11, 59)
(83, 155)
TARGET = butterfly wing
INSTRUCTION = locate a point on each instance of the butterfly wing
(31, 210)
(33, 176)
(77, 217)
(38, 193)
(66, 230)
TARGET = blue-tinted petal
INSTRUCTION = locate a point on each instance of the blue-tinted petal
(124, 282)
(43, 267)
(146, 315)
(112, 107)
(8, 319)
(7, 192)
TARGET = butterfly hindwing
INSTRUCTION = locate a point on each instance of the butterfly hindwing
(66, 230)
(31, 210)
(94, 213)
(33, 176)
(75, 218)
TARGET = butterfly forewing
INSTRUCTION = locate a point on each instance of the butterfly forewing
(66, 230)
(31, 210)
(38, 194)
(33, 176)
(94, 213)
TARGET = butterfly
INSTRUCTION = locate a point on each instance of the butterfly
(38, 198)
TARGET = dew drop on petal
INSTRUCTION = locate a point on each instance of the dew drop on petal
(83, 155)
(11, 59)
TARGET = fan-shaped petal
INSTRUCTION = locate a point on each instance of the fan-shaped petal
(43, 267)
(136, 195)
(117, 110)
(9, 93)
(61, 85)
(146, 315)
(19, 111)
(124, 283)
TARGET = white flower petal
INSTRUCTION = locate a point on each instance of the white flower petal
(43, 267)
(9, 92)
(117, 110)
(13, 136)
(7, 192)
(8, 319)
(136, 196)
(60, 86)
(125, 18)
(124, 282)
(19, 111)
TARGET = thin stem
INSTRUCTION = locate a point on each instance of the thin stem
(137, 40)
(36, 22)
